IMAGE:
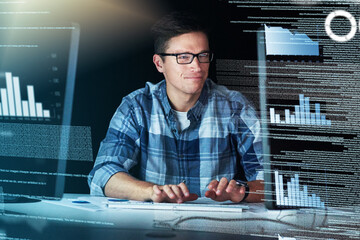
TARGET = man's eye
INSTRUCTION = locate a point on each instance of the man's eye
(183, 56)
(204, 55)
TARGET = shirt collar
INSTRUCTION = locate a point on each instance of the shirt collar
(196, 111)
(164, 99)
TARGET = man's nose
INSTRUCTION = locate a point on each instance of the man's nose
(195, 65)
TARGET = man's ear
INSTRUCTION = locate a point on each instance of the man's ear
(158, 63)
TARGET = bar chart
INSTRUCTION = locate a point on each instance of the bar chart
(302, 114)
(11, 104)
(297, 196)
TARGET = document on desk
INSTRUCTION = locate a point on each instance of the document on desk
(202, 204)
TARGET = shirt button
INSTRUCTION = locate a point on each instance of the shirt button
(181, 156)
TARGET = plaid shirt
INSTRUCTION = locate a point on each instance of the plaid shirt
(223, 140)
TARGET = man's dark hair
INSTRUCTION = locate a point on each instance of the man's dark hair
(174, 24)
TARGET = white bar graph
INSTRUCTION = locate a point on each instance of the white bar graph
(301, 115)
(277, 188)
(272, 115)
(39, 109)
(46, 113)
(292, 119)
(10, 93)
(17, 95)
(295, 196)
(277, 118)
(281, 187)
(4, 102)
(31, 96)
(12, 105)
(25, 107)
(297, 114)
(287, 116)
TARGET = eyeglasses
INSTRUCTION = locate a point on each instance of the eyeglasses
(187, 58)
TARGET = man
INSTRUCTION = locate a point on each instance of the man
(185, 136)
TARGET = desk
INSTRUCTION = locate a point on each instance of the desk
(44, 220)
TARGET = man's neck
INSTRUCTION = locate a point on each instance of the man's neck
(184, 102)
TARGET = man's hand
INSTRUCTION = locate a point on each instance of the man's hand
(172, 193)
(225, 190)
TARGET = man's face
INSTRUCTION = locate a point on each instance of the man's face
(184, 80)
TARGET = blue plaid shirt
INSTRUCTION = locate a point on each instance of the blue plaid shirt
(223, 140)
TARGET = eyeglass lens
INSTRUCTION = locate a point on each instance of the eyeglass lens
(186, 58)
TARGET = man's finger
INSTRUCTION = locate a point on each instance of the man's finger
(222, 185)
(177, 191)
(191, 197)
(210, 194)
(231, 186)
(158, 194)
(213, 185)
(156, 189)
(184, 189)
(242, 190)
(169, 192)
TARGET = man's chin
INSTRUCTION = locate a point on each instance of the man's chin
(194, 91)
(195, 80)
(195, 85)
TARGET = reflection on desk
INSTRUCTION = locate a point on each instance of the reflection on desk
(41, 220)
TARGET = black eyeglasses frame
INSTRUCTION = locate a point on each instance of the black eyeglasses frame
(193, 56)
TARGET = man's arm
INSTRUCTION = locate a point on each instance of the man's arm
(224, 190)
(118, 153)
(123, 185)
(249, 146)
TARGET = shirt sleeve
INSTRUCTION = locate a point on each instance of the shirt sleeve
(250, 144)
(119, 150)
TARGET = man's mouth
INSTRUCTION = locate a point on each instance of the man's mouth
(193, 77)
